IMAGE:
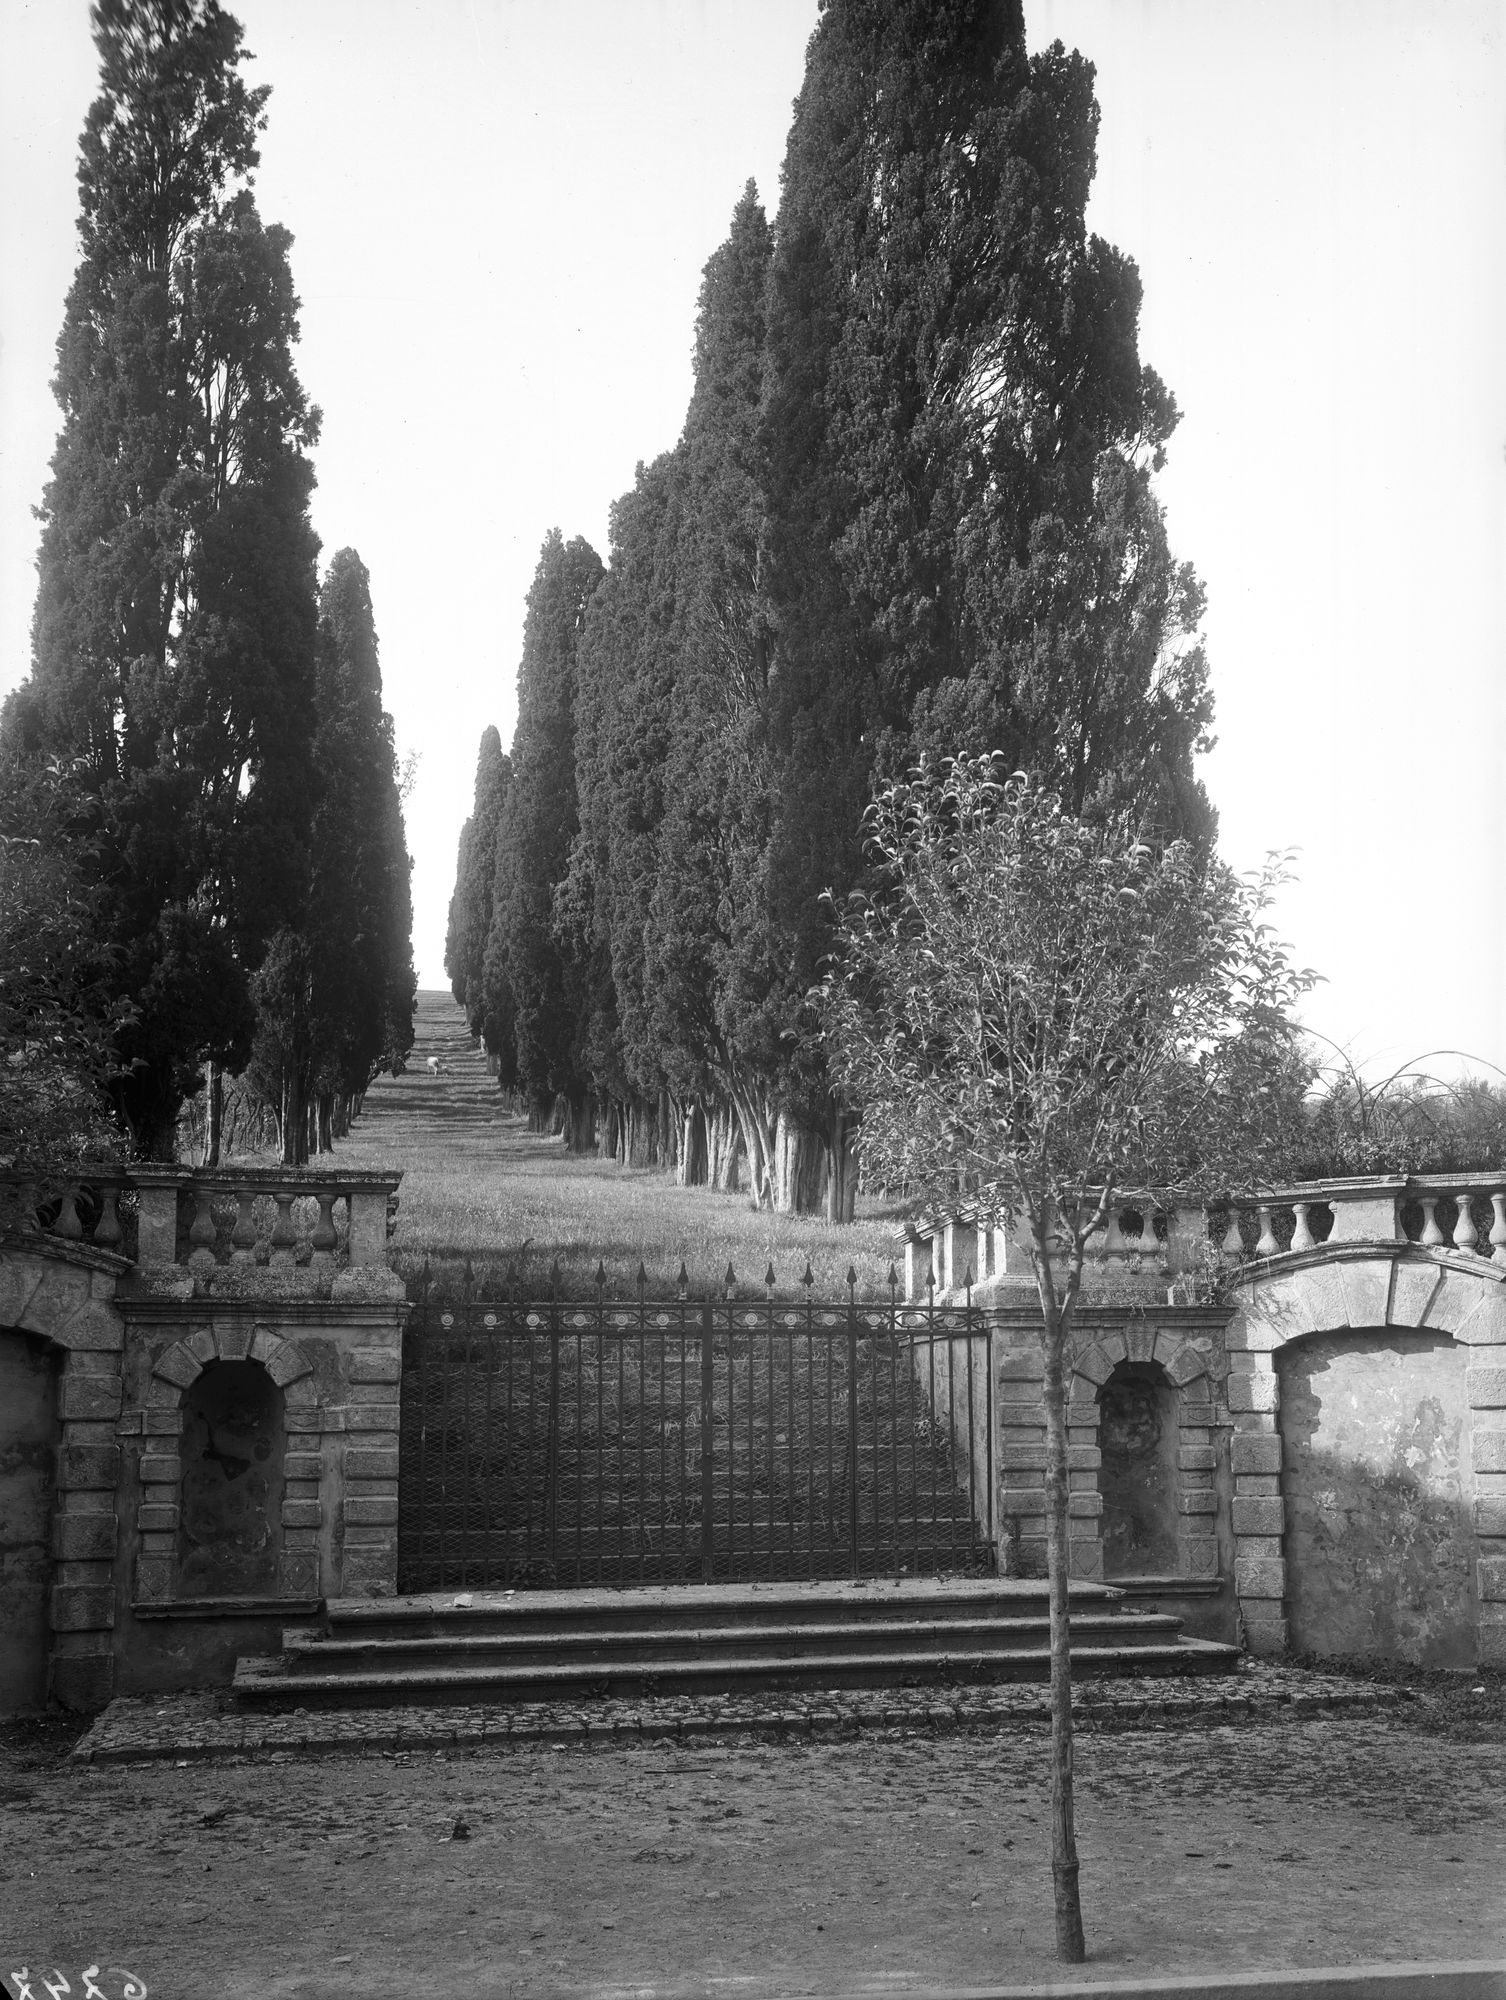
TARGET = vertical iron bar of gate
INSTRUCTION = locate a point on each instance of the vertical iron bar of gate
(790, 1440)
(951, 1424)
(769, 1455)
(552, 1439)
(422, 1358)
(893, 1440)
(829, 1552)
(444, 1445)
(988, 1441)
(972, 1425)
(852, 1421)
(488, 1456)
(707, 1379)
(641, 1499)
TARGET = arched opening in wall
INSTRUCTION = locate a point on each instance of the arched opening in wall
(1137, 1441)
(28, 1478)
(230, 1516)
(1380, 1545)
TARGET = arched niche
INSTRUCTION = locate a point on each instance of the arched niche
(1137, 1439)
(230, 1507)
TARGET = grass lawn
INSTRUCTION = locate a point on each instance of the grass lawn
(477, 1184)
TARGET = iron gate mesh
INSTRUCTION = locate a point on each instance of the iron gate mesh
(546, 1443)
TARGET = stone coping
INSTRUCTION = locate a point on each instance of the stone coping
(187, 1728)
(1462, 1979)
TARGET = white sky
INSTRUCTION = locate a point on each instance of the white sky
(501, 209)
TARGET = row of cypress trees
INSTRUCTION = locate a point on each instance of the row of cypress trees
(209, 714)
(910, 514)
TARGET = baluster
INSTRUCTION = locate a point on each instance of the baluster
(1466, 1236)
(1431, 1233)
(201, 1232)
(1233, 1244)
(1149, 1244)
(324, 1237)
(284, 1235)
(1113, 1238)
(1498, 1229)
(1267, 1246)
(1302, 1236)
(68, 1225)
(243, 1235)
(107, 1231)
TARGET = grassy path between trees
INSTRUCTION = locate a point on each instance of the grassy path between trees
(478, 1184)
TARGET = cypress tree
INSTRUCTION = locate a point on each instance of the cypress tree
(335, 992)
(470, 918)
(174, 635)
(529, 972)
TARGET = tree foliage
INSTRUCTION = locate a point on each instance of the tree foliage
(57, 1013)
(470, 919)
(529, 972)
(174, 636)
(1040, 1011)
(334, 995)
(911, 513)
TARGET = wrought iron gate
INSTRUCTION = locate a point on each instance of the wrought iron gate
(549, 1443)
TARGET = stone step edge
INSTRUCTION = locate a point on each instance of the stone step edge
(257, 1675)
(404, 1739)
(699, 1598)
(1105, 1624)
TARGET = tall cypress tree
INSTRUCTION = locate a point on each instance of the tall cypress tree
(334, 993)
(470, 918)
(529, 970)
(174, 636)
(361, 903)
(964, 551)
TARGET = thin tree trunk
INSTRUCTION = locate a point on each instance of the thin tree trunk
(693, 1151)
(1071, 1947)
(842, 1168)
(214, 1115)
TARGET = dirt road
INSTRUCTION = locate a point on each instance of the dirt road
(870, 1864)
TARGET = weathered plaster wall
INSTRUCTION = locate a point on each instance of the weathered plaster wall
(28, 1472)
(1380, 1544)
(1365, 1288)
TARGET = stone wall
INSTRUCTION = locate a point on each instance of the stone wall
(337, 1366)
(1180, 1349)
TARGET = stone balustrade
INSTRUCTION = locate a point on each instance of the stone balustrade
(302, 1225)
(1147, 1243)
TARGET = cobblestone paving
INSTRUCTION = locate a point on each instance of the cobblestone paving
(1294, 1832)
(139, 1728)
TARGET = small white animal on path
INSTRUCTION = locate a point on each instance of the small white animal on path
(434, 1065)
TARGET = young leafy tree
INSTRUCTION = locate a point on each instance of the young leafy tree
(1041, 1012)
(174, 635)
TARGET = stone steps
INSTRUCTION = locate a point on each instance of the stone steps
(590, 1645)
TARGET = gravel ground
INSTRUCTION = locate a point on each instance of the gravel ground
(139, 1728)
(893, 1855)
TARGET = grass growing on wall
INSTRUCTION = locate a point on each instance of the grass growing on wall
(477, 1184)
